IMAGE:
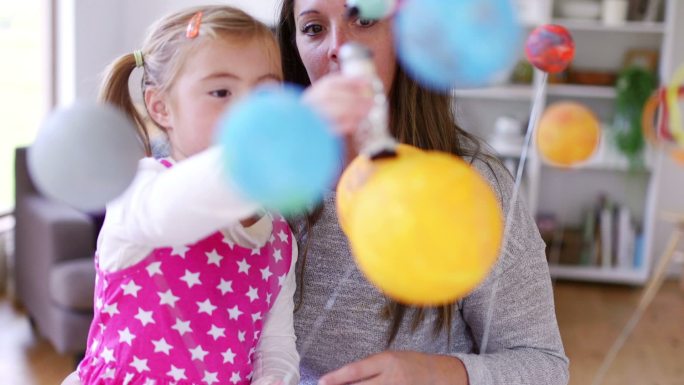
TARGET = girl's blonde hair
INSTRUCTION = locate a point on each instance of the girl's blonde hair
(167, 47)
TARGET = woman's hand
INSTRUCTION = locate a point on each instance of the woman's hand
(400, 368)
(343, 100)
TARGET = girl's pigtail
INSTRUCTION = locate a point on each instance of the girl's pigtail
(115, 91)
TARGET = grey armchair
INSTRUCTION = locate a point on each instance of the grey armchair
(53, 264)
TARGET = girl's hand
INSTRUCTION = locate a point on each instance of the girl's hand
(343, 100)
(400, 368)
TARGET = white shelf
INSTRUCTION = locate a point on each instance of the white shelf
(581, 91)
(504, 92)
(599, 274)
(597, 26)
(524, 92)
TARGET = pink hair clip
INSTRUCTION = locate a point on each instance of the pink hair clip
(194, 26)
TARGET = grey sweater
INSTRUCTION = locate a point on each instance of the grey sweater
(524, 342)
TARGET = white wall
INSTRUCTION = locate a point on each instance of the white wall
(669, 190)
(92, 33)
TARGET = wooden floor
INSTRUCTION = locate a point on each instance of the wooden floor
(590, 318)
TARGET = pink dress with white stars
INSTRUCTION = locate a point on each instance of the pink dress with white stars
(186, 315)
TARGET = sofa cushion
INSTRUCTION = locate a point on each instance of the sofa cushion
(72, 284)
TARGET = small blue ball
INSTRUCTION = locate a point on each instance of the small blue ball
(278, 151)
(457, 43)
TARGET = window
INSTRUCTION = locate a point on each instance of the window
(25, 76)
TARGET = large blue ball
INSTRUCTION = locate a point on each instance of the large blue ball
(278, 151)
(446, 44)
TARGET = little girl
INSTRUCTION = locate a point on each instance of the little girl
(194, 284)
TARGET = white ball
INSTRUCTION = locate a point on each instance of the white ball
(85, 155)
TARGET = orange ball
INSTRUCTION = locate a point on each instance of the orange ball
(568, 134)
(356, 175)
(425, 229)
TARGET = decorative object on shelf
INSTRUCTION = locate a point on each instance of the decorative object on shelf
(508, 137)
(614, 12)
(672, 99)
(579, 9)
(660, 137)
(522, 73)
(592, 77)
(643, 58)
(652, 10)
(633, 88)
(568, 134)
(550, 48)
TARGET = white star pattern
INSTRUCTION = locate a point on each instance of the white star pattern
(243, 266)
(179, 251)
(271, 239)
(93, 346)
(131, 289)
(256, 316)
(128, 378)
(266, 273)
(228, 356)
(282, 236)
(107, 355)
(234, 312)
(214, 258)
(225, 286)
(255, 251)
(235, 378)
(177, 373)
(98, 303)
(145, 317)
(162, 346)
(109, 373)
(241, 336)
(268, 298)
(126, 336)
(206, 307)
(103, 327)
(256, 334)
(140, 365)
(252, 294)
(182, 327)
(281, 279)
(167, 298)
(111, 309)
(228, 242)
(149, 381)
(191, 278)
(198, 353)
(154, 268)
(209, 377)
(277, 255)
(216, 332)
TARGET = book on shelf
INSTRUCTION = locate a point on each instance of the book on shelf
(609, 237)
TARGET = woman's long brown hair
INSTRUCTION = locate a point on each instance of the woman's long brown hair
(419, 117)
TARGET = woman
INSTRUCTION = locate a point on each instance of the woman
(367, 339)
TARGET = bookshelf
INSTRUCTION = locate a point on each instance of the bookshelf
(567, 195)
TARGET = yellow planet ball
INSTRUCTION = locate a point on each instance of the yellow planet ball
(568, 134)
(355, 176)
(426, 229)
